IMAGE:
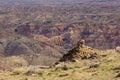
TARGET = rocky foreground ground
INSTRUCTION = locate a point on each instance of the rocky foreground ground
(80, 63)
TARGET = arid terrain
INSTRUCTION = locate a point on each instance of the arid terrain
(80, 63)
(37, 34)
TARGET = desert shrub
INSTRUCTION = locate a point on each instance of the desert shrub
(49, 74)
(18, 71)
(63, 75)
(40, 73)
(26, 78)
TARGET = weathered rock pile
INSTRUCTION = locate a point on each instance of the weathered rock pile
(80, 52)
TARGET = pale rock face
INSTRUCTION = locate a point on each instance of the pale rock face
(118, 49)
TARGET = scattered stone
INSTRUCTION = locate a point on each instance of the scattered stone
(94, 65)
(63, 75)
(28, 73)
(118, 75)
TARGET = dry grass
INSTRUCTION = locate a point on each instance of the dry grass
(80, 70)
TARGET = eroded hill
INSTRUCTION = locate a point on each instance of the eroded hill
(39, 33)
(99, 65)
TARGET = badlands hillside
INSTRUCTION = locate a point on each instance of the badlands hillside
(80, 63)
(43, 41)
(36, 34)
